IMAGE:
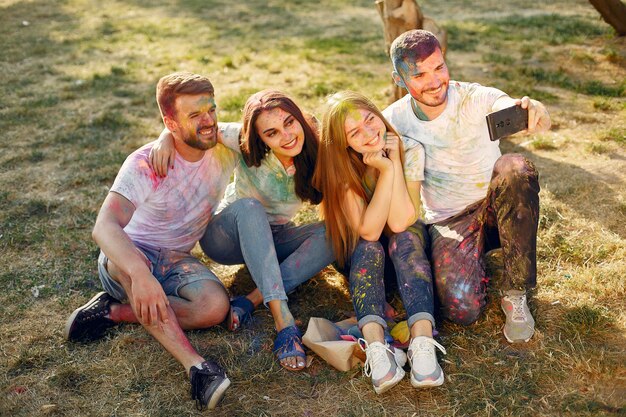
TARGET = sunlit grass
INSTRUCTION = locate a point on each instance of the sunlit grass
(77, 96)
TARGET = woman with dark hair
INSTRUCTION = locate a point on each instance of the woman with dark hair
(371, 206)
(253, 224)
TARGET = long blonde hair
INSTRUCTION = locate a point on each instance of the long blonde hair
(340, 168)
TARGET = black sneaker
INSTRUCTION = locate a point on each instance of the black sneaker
(88, 322)
(208, 385)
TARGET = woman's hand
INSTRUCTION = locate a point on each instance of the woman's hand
(162, 154)
(392, 147)
(377, 160)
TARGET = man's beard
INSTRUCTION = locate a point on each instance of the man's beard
(434, 102)
(201, 144)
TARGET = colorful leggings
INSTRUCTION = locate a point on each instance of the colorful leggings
(506, 218)
(407, 251)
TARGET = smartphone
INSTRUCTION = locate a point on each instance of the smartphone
(507, 121)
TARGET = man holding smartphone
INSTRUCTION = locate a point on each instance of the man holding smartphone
(474, 198)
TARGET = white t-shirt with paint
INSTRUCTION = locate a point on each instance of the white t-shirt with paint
(269, 183)
(459, 154)
(172, 212)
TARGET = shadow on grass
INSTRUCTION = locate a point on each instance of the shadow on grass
(580, 182)
(552, 373)
(64, 140)
(27, 45)
(528, 36)
(262, 26)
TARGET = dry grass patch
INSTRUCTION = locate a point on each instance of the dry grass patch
(77, 95)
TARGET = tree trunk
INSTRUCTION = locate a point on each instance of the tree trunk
(613, 12)
(399, 16)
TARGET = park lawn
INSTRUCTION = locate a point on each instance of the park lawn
(77, 96)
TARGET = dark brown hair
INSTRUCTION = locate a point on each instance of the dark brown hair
(178, 83)
(413, 46)
(253, 149)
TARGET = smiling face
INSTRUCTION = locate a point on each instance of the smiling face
(427, 81)
(281, 132)
(196, 120)
(365, 131)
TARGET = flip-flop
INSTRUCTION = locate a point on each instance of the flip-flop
(241, 310)
(286, 343)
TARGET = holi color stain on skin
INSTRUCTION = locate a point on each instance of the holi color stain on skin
(149, 172)
(154, 179)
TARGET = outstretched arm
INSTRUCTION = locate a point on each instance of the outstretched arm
(147, 299)
(538, 116)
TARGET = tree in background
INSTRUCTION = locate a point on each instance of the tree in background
(613, 12)
(401, 15)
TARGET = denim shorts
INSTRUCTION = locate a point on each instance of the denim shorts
(173, 270)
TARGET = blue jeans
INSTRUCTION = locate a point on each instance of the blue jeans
(407, 251)
(279, 257)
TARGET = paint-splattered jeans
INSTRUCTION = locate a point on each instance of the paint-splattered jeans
(279, 258)
(506, 218)
(407, 251)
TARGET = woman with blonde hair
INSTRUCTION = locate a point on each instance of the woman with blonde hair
(370, 184)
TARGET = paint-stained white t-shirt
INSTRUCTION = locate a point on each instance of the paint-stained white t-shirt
(173, 212)
(272, 185)
(459, 154)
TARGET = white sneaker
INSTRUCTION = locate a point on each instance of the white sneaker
(383, 364)
(520, 325)
(425, 370)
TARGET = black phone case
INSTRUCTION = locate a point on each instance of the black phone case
(507, 121)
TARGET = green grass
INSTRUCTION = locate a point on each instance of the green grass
(526, 62)
(598, 148)
(561, 79)
(615, 134)
(77, 96)
(549, 29)
(604, 104)
(544, 144)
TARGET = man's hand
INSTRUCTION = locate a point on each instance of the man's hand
(538, 117)
(149, 301)
(392, 147)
